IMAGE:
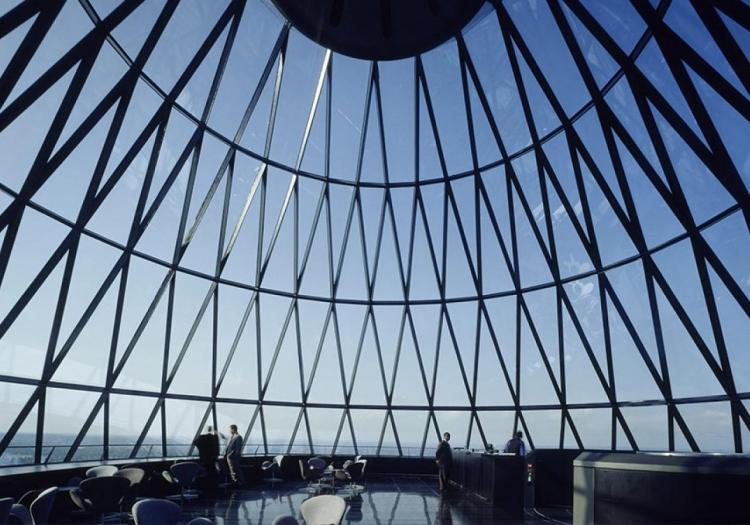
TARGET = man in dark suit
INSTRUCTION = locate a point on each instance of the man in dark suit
(208, 452)
(444, 460)
(233, 454)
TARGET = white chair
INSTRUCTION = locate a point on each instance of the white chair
(323, 510)
(39, 510)
(156, 512)
(101, 471)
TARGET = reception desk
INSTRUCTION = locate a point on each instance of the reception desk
(498, 478)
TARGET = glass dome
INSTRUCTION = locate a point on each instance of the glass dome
(539, 225)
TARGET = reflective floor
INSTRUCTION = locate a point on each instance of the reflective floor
(385, 500)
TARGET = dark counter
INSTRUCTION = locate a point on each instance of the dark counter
(495, 477)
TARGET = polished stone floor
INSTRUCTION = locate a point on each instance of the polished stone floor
(385, 500)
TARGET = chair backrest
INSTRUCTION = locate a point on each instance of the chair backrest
(278, 459)
(357, 469)
(42, 506)
(104, 493)
(134, 475)
(323, 510)
(156, 512)
(317, 463)
(101, 470)
(185, 472)
(200, 521)
(5, 506)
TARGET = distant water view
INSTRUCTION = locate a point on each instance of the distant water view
(57, 446)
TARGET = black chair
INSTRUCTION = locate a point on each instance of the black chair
(312, 472)
(156, 512)
(354, 472)
(273, 466)
(5, 505)
(183, 475)
(38, 510)
(101, 495)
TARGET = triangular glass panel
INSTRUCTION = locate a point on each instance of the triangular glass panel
(629, 286)
(128, 416)
(66, 188)
(283, 382)
(274, 336)
(542, 306)
(245, 179)
(25, 343)
(711, 426)
(372, 167)
(352, 280)
(484, 140)
(403, 205)
(735, 327)
(345, 439)
(302, 71)
(388, 321)
(492, 387)
(451, 386)
(12, 40)
(633, 381)
(316, 279)
(315, 155)
(328, 385)
(423, 281)
(309, 194)
(652, 62)
(65, 412)
(280, 269)
(368, 426)
(443, 78)
(372, 203)
(196, 93)
(390, 446)
(183, 425)
(464, 320)
(457, 423)
(501, 315)
(131, 34)
(15, 396)
(545, 118)
(594, 426)
(300, 443)
(388, 281)
(543, 428)
(535, 269)
(137, 118)
(33, 125)
(152, 444)
(92, 446)
(398, 92)
(409, 387)
(582, 383)
(622, 439)
(87, 361)
(430, 167)
(339, 209)
(20, 450)
(654, 213)
(350, 320)
(460, 262)
(324, 424)
(143, 368)
(410, 425)
(176, 140)
(187, 311)
(68, 27)
(369, 387)
(193, 375)
(242, 262)
(649, 427)
(537, 386)
(241, 378)
(313, 319)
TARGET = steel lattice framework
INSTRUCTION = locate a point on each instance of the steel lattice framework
(540, 225)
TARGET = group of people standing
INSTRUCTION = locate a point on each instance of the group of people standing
(208, 453)
(444, 456)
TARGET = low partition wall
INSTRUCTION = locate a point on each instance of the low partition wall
(611, 487)
(497, 478)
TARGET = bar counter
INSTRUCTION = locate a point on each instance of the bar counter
(498, 478)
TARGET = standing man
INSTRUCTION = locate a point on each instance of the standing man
(515, 445)
(208, 452)
(233, 454)
(444, 460)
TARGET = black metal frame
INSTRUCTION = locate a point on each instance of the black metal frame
(709, 148)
